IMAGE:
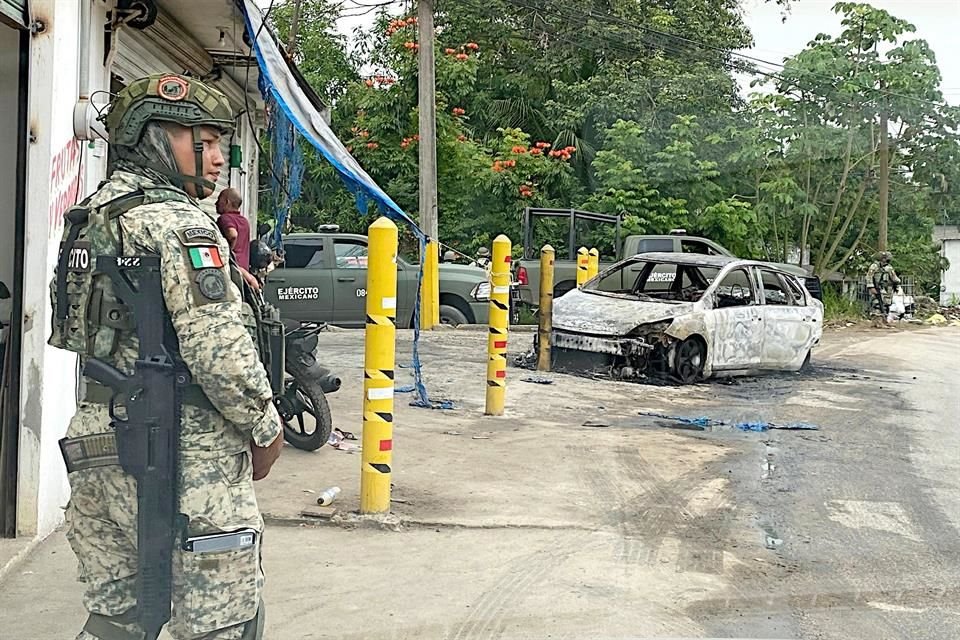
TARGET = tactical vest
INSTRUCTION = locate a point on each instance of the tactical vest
(87, 317)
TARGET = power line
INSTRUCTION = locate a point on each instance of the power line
(578, 15)
(627, 48)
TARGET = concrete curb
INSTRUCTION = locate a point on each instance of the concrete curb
(18, 557)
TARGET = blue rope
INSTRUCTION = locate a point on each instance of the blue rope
(422, 398)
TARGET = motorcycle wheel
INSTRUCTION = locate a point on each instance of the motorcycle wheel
(306, 414)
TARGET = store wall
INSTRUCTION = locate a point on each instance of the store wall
(60, 171)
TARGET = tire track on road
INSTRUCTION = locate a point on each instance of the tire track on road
(488, 612)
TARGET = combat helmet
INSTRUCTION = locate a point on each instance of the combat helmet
(168, 98)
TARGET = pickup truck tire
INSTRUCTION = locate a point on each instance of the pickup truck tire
(304, 401)
(452, 316)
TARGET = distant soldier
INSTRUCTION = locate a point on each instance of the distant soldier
(483, 258)
(882, 280)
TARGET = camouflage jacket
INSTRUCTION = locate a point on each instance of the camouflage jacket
(884, 277)
(212, 323)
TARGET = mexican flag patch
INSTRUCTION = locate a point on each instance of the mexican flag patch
(203, 257)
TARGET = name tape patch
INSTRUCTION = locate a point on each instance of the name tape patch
(79, 259)
(197, 236)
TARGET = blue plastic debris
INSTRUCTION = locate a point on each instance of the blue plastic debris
(405, 388)
(443, 405)
(757, 427)
(752, 426)
(702, 421)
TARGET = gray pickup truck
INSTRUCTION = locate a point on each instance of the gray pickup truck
(579, 223)
(324, 279)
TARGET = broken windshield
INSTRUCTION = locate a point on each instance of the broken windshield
(658, 281)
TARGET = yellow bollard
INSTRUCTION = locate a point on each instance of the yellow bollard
(583, 265)
(499, 321)
(378, 364)
(435, 290)
(593, 264)
(547, 256)
(430, 288)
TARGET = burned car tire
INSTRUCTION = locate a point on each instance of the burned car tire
(303, 402)
(688, 360)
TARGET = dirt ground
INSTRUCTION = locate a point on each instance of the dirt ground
(537, 465)
(535, 525)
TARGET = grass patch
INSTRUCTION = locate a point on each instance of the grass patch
(837, 306)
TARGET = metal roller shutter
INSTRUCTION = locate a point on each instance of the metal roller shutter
(14, 11)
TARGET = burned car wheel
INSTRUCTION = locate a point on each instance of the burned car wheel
(688, 360)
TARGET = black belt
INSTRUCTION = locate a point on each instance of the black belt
(100, 450)
(192, 395)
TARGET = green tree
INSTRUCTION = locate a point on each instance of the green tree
(816, 185)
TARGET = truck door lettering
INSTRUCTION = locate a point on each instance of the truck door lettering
(298, 293)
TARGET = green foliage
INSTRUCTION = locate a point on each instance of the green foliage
(837, 306)
(639, 106)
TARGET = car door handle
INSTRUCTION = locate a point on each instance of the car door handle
(345, 279)
(276, 279)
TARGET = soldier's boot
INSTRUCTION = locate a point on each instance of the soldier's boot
(122, 627)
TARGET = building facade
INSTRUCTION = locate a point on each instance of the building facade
(59, 61)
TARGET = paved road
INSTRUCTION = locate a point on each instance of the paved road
(868, 508)
(633, 530)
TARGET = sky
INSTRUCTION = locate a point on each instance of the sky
(937, 22)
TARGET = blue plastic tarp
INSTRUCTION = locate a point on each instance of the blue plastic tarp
(286, 90)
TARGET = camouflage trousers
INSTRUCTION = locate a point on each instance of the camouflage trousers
(216, 596)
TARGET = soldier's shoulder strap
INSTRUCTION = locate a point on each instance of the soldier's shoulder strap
(79, 216)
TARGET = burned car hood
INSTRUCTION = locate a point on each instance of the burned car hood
(604, 315)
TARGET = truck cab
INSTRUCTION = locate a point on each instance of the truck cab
(324, 279)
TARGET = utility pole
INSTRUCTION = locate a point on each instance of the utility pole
(884, 180)
(430, 308)
(294, 28)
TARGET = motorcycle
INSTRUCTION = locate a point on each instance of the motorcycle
(288, 349)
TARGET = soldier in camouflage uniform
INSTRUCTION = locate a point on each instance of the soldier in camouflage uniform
(165, 131)
(882, 280)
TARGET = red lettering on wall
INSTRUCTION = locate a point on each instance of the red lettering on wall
(65, 183)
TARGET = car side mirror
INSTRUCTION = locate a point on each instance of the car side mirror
(4, 292)
(263, 229)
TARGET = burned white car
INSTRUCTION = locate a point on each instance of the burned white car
(685, 317)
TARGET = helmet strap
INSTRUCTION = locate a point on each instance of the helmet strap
(199, 180)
